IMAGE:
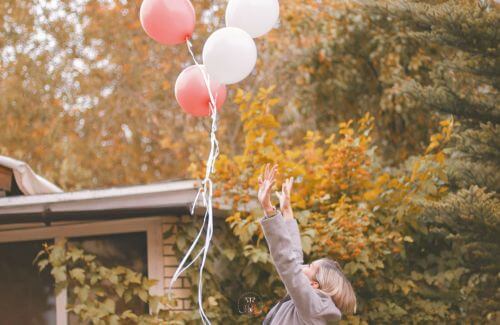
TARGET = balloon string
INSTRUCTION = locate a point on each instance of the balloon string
(206, 190)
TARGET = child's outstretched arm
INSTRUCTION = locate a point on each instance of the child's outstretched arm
(291, 223)
(309, 305)
(293, 231)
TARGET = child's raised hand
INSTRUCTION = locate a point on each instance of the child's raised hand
(284, 196)
(266, 183)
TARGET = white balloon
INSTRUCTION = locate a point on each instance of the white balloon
(256, 17)
(230, 55)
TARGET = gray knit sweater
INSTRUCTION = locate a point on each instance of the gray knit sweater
(307, 305)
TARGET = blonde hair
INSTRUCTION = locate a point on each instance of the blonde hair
(334, 283)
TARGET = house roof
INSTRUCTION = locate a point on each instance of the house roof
(174, 197)
(28, 182)
(45, 202)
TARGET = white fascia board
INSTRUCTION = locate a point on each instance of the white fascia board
(169, 194)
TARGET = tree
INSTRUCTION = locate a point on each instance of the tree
(85, 105)
(349, 204)
(87, 97)
(339, 61)
(459, 249)
(96, 94)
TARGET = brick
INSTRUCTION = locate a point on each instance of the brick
(180, 277)
(182, 293)
(169, 271)
(186, 283)
(176, 285)
(170, 261)
(186, 304)
(168, 250)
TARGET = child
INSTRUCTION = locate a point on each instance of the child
(317, 292)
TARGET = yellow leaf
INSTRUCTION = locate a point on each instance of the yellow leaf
(440, 157)
(212, 301)
(371, 195)
(408, 239)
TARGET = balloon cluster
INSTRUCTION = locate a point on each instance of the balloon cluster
(229, 54)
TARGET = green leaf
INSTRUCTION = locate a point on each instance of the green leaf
(113, 277)
(143, 294)
(56, 256)
(109, 305)
(127, 296)
(129, 314)
(78, 274)
(83, 293)
(94, 278)
(103, 272)
(133, 277)
(113, 320)
(230, 253)
(120, 289)
(59, 273)
(89, 258)
(42, 264)
(75, 254)
(120, 270)
(40, 253)
(78, 308)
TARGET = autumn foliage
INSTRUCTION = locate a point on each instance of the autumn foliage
(349, 206)
(385, 112)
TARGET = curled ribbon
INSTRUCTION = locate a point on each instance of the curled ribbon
(206, 191)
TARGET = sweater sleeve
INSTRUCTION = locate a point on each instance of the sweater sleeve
(306, 300)
(293, 230)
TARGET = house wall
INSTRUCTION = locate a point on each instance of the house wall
(181, 288)
(162, 261)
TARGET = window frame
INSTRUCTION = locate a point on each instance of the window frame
(151, 225)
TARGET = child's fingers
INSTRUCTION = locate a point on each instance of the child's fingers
(269, 185)
(274, 171)
(272, 184)
(285, 187)
(266, 171)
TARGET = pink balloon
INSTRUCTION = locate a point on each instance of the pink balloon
(192, 94)
(168, 22)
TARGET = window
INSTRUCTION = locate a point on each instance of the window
(26, 295)
(135, 243)
(129, 250)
